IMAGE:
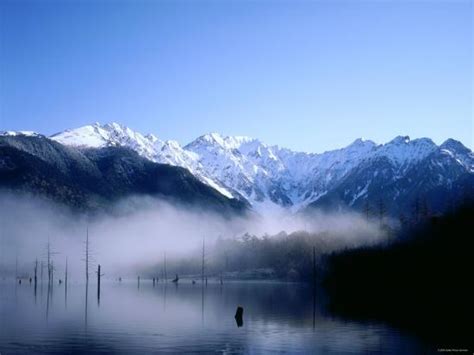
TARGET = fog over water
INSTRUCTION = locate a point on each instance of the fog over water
(139, 230)
(131, 316)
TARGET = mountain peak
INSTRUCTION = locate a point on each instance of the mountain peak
(226, 142)
(454, 145)
(400, 140)
(213, 137)
(361, 142)
(244, 167)
(114, 126)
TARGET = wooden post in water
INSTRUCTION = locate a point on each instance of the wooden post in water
(138, 282)
(36, 274)
(153, 282)
(314, 266)
(98, 282)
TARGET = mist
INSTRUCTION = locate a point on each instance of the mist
(138, 231)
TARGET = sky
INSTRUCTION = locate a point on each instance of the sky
(306, 75)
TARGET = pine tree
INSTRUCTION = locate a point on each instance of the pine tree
(382, 211)
(367, 209)
(416, 210)
(424, 209)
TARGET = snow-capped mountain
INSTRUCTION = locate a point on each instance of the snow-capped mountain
(242, 167)
(149, 146)
(95, 179)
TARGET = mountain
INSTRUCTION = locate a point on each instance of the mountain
(396, 174)
(148, 146)
(94, 178)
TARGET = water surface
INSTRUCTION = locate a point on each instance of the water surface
(184, 318)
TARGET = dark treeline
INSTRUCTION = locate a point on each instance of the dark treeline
(422, 280)
(282, 256)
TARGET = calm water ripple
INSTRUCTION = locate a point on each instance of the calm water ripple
(278, 318)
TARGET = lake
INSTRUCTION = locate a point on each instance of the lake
(185, 318)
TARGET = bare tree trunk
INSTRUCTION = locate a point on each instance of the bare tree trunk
(87, 255)
(36, 274)
(166, 276)
(98, 282)
(65, 285)
(203, 258)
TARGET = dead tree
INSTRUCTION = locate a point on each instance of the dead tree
(49, 256)
(65, 284)
(98, 281)
(164, 268)
(36, 273)
(87, 255)
(65, 275)
(203, 261)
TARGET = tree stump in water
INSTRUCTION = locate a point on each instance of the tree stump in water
(239, 316)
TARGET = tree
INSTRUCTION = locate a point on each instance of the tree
(367, 209)
(382, 211)
(87, 254)
(403, 220)
(424, 209)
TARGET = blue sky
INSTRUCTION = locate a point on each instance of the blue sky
(308, 75)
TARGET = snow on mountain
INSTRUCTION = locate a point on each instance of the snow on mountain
(239, 166)
(402, 151)
(149, 146)
(18, 133)
(459, 152)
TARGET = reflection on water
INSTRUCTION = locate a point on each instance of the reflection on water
(183, 318)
